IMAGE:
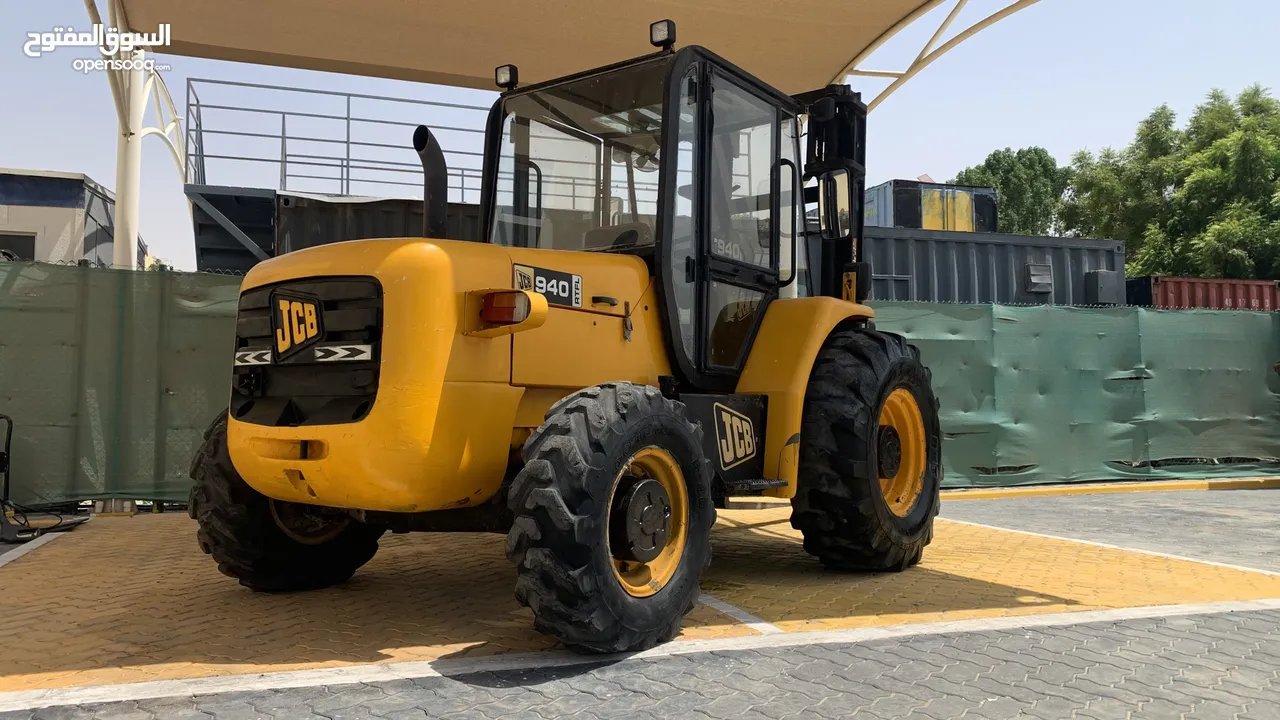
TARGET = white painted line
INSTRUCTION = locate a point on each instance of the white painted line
(739, 614)
(27, 547)
(1116, 547)
(32, 699)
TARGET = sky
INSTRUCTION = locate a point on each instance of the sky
(1066, 75)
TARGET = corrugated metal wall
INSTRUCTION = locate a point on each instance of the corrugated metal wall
(303, 221)
(1220, 294)
(908, 264)
(940, 266)
(284, 222)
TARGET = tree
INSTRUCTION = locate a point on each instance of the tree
(1203, 201)
(1029, 187)
(1119, 194)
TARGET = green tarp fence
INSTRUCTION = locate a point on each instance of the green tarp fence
(112, 376)
(1063, 394)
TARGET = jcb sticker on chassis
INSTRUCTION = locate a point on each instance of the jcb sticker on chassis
(735, 437)
(560, 288)
(297, 322)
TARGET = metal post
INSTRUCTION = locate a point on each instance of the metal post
(346, 168)
(187, 160)
(129, 165)
(284, 150)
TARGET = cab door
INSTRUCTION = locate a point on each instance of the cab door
(731, 188)
(742, 222)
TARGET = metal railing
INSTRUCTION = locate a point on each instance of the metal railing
(337, 143)
(324, 141)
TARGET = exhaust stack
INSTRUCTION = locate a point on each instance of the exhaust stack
(435, 191)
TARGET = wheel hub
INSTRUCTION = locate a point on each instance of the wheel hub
(641, 521)
(889, 451)
(309, 525)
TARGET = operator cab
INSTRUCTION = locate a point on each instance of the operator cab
(683, 159)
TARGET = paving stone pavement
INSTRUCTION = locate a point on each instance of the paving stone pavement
(1186, 523)
(1224, 665)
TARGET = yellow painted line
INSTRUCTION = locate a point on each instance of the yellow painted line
(1094, 489)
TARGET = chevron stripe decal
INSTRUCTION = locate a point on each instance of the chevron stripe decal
(343, 353)
(253, 357)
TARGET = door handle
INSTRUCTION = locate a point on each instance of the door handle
(603, 300)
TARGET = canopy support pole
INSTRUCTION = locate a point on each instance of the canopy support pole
(927, 54)
(129, 164)
(131, 89)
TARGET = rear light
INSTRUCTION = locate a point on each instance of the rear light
(505, 308)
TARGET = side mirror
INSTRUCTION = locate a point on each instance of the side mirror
(834, 202)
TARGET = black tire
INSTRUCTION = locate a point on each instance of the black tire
(561, 498)
(839, 507)
(238, 529)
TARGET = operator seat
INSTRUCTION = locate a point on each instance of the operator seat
(618, 237)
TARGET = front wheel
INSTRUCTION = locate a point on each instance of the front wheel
(870, 454)
(613, 516)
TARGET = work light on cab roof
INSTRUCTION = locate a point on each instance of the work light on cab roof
(506, 77)
(662, 34)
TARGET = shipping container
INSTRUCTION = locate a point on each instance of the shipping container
(1174, 293)
(304, 221)
(237, 227)
(940, 266)
(930, 206)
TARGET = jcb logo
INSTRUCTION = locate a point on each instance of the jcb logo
(297, 323)
(735, 436)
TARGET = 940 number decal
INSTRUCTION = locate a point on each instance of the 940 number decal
(559, 287)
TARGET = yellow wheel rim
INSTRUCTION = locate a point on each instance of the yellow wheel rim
(903, 487)
(642, 579)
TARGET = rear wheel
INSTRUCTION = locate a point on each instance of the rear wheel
(268, 544)
(613, 516)
(870, 454)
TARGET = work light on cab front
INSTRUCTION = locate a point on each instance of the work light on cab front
(505, 308)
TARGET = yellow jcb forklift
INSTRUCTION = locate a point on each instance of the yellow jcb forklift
(648, 327)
